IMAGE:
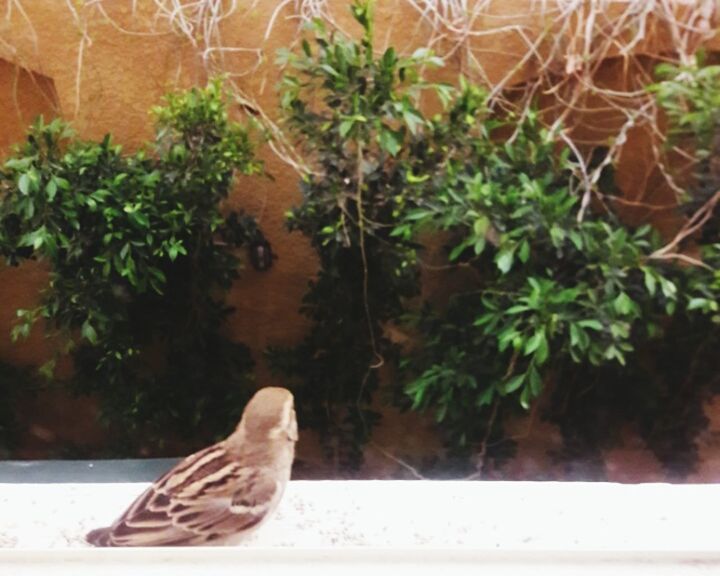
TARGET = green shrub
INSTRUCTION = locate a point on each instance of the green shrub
(558, 297)
(551, 288)
(140, 256)
(556, 292)
(561, 299)
(355, 114)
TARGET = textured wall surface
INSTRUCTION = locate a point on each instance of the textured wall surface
(103, 64)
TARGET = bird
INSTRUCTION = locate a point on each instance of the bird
(219, 495)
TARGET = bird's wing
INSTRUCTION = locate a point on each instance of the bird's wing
(206, 497)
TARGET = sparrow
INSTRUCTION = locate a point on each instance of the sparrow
(220, 494)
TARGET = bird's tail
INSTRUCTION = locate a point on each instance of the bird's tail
(99, 537)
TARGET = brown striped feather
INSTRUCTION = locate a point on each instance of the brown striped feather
(207, 494)
(221, 491)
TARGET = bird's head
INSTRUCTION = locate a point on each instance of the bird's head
(270, 415)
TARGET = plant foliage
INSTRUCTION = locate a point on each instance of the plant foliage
(550, 295)
(139, 255)
(355, 114)
(550, 292)
(558, 298)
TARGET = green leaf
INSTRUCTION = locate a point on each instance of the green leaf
(557, 236)
(345, 127)
(535, 341)
(33, 180)
(416, 390)
(440, 413)
(421, 53)
(504, 259)
(481, 225)
(445, 93)
(542, 352)
(119, 178)
(576, 239)
(457, 251)
(329, 70)
(485, 399)
(175, 249)
(20, 331)
(524, 252)
(591, 324)
(620, 330)
(613, 353)
(47, 370)
(623, 304)
(650, 282)
(51, 189)
(698, 303)
(535, 381)
(668, 288)
(412, 120)
(88, 332)
(485, 319)
(389, 60)
(36, 238)
(513, 384)
(24, 184)
(506, 337)
(141, 219)
(388, 141)
(517, 309)
(575, 337)
(525, 398)
(19, 164)
(413, 179)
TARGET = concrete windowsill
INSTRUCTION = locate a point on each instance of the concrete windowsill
(424, 527)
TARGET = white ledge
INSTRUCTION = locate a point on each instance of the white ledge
(509, 527)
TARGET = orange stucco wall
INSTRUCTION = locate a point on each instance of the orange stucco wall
(102, 65)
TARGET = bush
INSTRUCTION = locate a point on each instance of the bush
(564, 297)
(555, 294)
(140, 256)
(355, 115)
(561, 287)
